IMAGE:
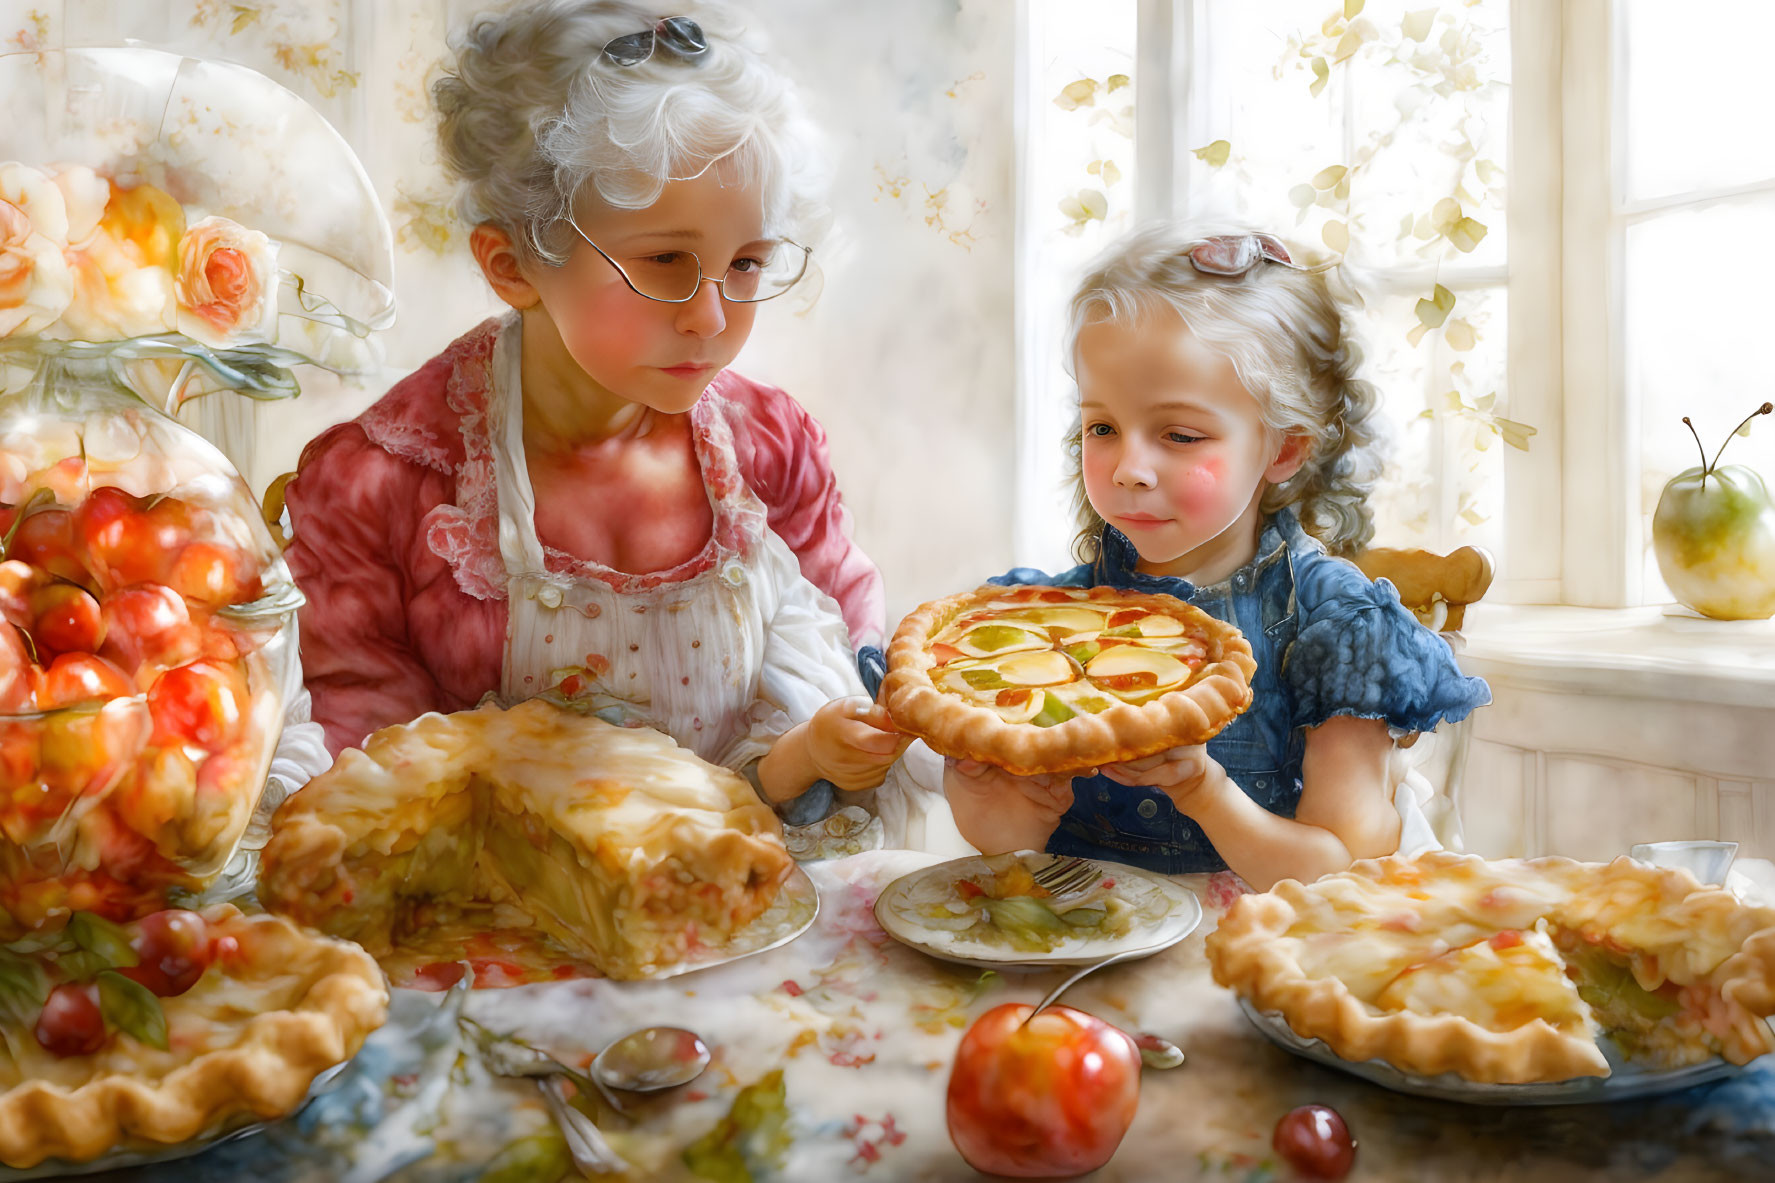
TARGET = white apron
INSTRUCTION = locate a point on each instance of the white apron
(724, 661)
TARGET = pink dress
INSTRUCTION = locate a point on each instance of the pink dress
(397, 541)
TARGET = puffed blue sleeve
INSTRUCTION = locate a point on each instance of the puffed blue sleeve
(1360, 652)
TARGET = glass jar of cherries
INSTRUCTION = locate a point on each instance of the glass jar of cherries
(147, 642)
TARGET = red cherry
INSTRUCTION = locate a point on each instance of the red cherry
(204, 703)
(46, 540)
(148, 629)
(81, 677)
(18, 673)
(71, 1023)
(1314, 1140)
(67, 620)
(175, 949)
(214, 575)
(18, 579)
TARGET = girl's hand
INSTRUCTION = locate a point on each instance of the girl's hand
(979, 788)
(1186, 775)
(851, 742)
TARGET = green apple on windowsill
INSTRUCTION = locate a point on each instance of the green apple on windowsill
(1714, 535)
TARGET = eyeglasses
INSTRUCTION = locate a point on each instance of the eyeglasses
(675, 277)
(681, 37)
(1235, 254)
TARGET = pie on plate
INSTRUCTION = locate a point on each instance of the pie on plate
(611, 845)
(1056, 679)
(1507, 972)
(176, 1026)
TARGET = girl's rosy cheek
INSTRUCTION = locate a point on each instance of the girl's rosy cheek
(1198, 488)
(1098, 466)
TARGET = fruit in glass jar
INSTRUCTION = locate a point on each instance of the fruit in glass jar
(81, 677)
(120, 544)
(1049, 1099)
(175, 949)
(215, 575)
(18, 579)
(66, 619)
(1314, 1140)
(1714, 535)
(148, 629)
(203, 703)
(45, 540)
(71, 1023)
(18, 673)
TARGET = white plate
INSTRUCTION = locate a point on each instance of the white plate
(1169, 912)
(1624, 1082)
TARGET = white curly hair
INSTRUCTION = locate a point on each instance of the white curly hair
(531, 115)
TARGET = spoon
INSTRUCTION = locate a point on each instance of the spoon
(651, 1060)
(1155, 1052)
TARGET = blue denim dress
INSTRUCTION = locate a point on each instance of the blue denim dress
(1328, 641)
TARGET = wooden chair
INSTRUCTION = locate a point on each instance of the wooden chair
(271, 506)
(1437, 589)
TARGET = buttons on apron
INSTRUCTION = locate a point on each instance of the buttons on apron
(1148, 808)
(549, 596)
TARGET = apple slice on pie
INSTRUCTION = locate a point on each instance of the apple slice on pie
(612, 844)
(1055, 679)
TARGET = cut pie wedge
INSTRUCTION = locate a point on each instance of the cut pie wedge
(614, 844)
(1057, 679)
(1506, 972)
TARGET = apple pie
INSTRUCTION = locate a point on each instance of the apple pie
(614, 843)
(1506, 972)
(1056, 679)
(176, 1026)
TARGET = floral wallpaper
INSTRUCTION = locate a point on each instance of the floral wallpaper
(902, 349)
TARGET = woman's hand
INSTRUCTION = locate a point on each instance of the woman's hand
(1187, 775)
(999, 811)
(852, 742)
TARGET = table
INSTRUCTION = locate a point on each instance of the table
(863, 1031)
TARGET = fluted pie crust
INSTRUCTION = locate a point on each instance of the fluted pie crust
(246, 1041)
(1505, 972)
(1057, 679)
(620, 847)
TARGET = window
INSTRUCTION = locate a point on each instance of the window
(1694, 212)
(1377, 132)
(1592, 184)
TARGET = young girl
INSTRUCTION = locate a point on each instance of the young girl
(1225, 450)
(580, 498)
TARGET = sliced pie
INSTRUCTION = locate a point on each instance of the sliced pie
(615, 844)
(1055, 679)
(1505, 972)
(229, 1018)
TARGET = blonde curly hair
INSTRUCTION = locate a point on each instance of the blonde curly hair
(1289, 338)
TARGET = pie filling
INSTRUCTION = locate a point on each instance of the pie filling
(574, 839)
(1044, 663)
(512, 871)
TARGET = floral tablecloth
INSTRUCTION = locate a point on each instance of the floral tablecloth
(832, 1055)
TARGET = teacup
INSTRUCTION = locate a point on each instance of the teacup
(1707, 861)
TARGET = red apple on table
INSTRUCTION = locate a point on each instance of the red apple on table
(1050, 1099)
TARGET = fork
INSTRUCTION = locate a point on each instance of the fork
(1066, 874)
